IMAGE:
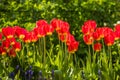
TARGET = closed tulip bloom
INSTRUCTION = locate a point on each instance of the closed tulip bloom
(17, 46)
(64, 29)
(6, 44)
(117, 30)
(117, 27)
(40, 31)
(0, 36)
(96, 36)
(88, 39)
(40, 23)
(40, 28)
(49, 29)
(62, 37)
(107, 31)
(2, 51)
(116, 35)
(20, 32)
(100, 32)
(97, 47)
(11, 40)
(73, 47)
(27, 38)
(109, 39)
(33, 36)
(8, 32)
(56, 23)
(69, 38)
(12, 52)
(89, 27)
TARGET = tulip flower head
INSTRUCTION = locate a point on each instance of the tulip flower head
(88, 39)
(109, 39)
(73, 47)
(20, 32)
(8, 32)
(97, 47)
(89, 27)
(17, 46)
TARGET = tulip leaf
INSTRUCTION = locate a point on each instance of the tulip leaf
(1, 69)
(58, 75)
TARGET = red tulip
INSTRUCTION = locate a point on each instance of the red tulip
(6, 44)
(97, 47)
(89, 27)
(2, 51)
(109, 39)
(41, 23)
(117, 30)
(100, 32)
(96, 36)
(107, 31)
(8, 32)
(117, 27)
(27, 38)
(40, 31)
(33, 36)
(88, 39)
(20, 32)
(116, 35)
(73, 47)
(56, 23)
(49, 29)
(62, 37)
(17, 46)
(11, 40)
(12, 52)
(64, 29)
(69, 38)
(0, 36)
(40, 28)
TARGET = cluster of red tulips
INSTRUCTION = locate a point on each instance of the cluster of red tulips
(62, 29)
(92, 34)
(11, 37)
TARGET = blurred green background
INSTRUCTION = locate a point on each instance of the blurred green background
(26, 12)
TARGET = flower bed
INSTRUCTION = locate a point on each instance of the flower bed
(32, 55)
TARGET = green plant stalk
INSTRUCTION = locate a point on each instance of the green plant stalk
(89, 59)
(63, 53)
(93, 48)
(34, 57)
(110, 57)
(19, 59)
(99, 59)
(89, 53)
(22, 55)
(44, 51)
(118, 47)
(39, 50)
(103, 46)
(75, 59)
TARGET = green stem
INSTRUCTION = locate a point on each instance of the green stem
(93, 47)
(75, 59)
(44, 51)
(99, 59)
(22, 54)
(34, 57)
(89, 57)
(110, 57)
(89, 53)
(118, 47)
(103, 46)
(39, 50)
